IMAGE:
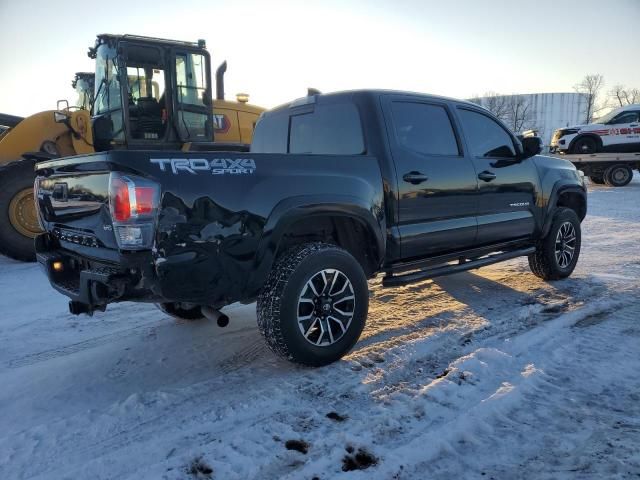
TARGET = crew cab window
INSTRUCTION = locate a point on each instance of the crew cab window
(485, 137)
(332, 129)
(271, 133)
(424, 128)
(627, 117)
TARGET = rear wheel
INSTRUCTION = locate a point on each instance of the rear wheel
(314, 304)
(585, 145)
(557, 254)
(18, 217)
(597, 179)
(618, 175)
(181, 311)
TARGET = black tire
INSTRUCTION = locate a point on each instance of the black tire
(15, 177)
(598, 180)
(279, 304)
(585, 146)
(180, 312)
(618, 175)
(544, 263)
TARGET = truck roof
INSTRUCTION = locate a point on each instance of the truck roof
(367, 93)
(150, 40)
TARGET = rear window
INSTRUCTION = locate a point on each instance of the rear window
(424, 128)
(333, 129)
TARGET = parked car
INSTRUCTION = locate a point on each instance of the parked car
(617, 132)
(336, 189)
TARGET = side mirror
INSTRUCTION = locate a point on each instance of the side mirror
(60, 117)
(531, 146)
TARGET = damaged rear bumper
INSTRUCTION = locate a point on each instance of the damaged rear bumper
(90, 283)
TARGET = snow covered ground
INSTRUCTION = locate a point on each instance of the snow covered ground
(488, 374)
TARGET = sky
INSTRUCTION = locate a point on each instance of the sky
(277, 49)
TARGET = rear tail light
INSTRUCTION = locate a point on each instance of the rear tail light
(133, 203)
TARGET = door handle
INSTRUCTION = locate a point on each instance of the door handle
(633, 125)
(487, 176)
(415, 177)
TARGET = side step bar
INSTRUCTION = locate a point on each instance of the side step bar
(463, 266)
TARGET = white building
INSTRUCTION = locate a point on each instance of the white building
(550, 111)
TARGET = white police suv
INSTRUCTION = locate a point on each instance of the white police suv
(618, 131)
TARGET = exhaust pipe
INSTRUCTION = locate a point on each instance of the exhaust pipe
(220, 71)
(215, 315)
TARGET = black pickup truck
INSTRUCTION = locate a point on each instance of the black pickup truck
(336, 189)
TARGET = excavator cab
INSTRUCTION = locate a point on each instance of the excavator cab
(151, 93)
(84, 85)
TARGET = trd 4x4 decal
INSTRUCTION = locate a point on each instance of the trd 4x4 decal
(216, 166)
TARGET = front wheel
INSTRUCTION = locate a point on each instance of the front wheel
(557, 254)
(585, 146)
(18, 217)
(314, 304)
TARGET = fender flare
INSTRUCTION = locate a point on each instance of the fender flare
(292, 209)
(560, 188)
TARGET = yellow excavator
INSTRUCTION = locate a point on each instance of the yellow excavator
(146, 94)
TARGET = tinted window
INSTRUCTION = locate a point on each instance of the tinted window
(270, 135)
(329, 129)
(485, 137)
(628, 117)
(424, 128)
(301, 133)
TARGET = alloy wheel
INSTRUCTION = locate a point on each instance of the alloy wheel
(565, 247)
(326, 307)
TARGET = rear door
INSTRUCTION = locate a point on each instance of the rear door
(507, 187)
(436, 182)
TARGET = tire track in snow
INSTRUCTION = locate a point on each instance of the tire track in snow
(94, 342)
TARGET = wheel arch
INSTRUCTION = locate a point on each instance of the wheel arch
(332, 219)
(565, 196)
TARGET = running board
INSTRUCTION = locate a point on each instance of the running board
(463, 266)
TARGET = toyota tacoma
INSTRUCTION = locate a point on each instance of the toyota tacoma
(336, 189)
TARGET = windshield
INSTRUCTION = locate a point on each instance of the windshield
(84, 90)
(108, 124)
(107, 82)
(606, 118)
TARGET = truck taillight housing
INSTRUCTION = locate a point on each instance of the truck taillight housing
(133, 203)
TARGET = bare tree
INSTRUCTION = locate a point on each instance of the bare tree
(516, 111)
(495, 103)
(621, 96)
(521, 113)
(590, 87)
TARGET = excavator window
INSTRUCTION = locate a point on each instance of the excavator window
(191, 92)
(108, 123)
(146, 102)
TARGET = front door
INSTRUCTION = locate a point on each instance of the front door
(623, 134)
(507, 187)
(436, 183)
